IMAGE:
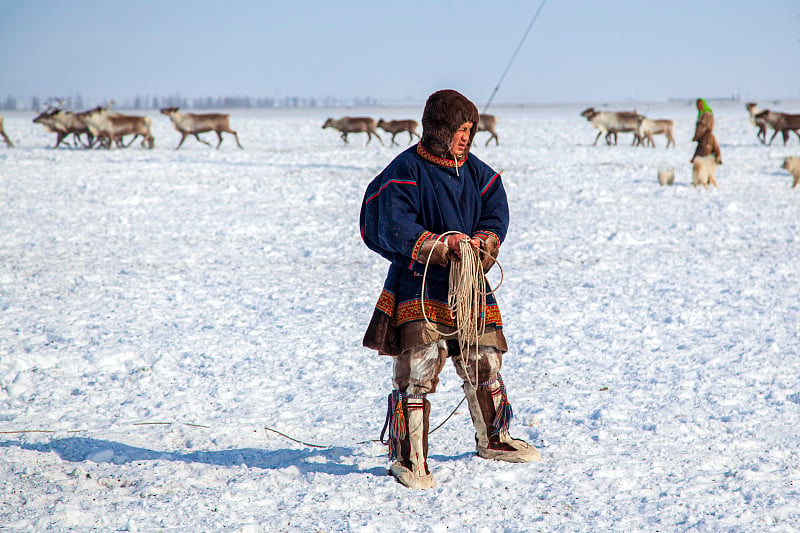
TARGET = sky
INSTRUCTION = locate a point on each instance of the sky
(577, 50)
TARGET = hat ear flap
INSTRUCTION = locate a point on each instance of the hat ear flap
(445, 112)
(472, 132)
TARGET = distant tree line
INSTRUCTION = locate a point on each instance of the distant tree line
(155, 102)
(9, 103)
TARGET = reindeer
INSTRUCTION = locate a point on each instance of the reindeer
(398, 126)
(64, 123)
(347, 125)
(613, 122)
(487, 123)
(649, 127)
(3, 134)
(781, 122)
(194, 124)
(761, 120)
(112, 127)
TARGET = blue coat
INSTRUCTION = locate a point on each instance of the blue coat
(418, 197)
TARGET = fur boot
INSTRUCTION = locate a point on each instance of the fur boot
(491, 416)
(408, 422)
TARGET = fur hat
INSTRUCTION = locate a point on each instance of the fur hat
(445, 112)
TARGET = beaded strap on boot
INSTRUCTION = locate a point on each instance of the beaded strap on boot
(503, 411)
(407, 425)
(395, 422)
(492, 437)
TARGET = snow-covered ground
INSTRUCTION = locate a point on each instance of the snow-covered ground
(160, 309)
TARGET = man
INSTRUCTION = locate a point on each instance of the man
(416, 213)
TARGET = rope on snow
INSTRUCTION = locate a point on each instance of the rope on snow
(466, 300)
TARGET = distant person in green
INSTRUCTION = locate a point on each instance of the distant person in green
(707, 145)
(707, 155)
(705, 117)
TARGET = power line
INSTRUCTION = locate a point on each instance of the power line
(533, 21)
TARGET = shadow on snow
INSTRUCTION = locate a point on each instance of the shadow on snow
(78, 449)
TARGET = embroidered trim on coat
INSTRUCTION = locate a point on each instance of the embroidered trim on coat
(450, 163)
(424, 236)
(491, 181)
(437, 312)
(400, 182)
(484, 235)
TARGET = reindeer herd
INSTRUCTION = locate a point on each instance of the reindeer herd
(101, 127)
(707, 154)
(348, 125)
(611, 123)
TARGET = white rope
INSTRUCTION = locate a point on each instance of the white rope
(466, 298)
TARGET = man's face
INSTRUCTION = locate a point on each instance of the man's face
(458, 146)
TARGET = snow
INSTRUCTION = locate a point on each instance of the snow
(164, 313)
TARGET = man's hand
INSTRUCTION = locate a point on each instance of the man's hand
(454, 246)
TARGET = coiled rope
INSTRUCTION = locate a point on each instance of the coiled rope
(466, 297)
